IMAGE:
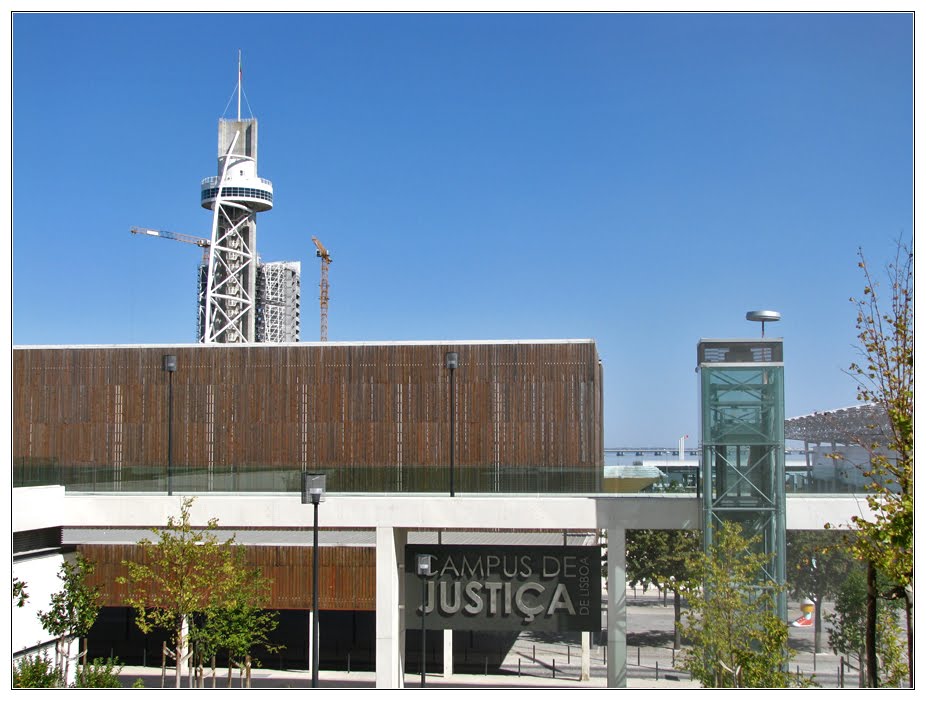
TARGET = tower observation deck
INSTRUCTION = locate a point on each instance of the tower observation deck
(235, 195)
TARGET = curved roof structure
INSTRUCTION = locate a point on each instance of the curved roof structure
(851, 425)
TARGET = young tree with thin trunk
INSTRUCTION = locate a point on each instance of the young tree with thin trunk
(73, 610)
(885, 377)
(239, 623)
(177, 577)
(736, 637)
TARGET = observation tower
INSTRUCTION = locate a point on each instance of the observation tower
(235, 195)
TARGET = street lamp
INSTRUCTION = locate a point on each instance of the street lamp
(313, 492)
(762, 316)
(169, 365)
(452, 360)
(424, 571)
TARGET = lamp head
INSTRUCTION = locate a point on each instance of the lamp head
(423, 565)
(452, 359)
(313, 488)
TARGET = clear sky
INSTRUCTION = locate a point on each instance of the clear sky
(641, 180)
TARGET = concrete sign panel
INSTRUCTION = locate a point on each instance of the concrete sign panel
(504, 588)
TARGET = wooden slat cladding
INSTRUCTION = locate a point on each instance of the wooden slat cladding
(346, 575)
(310, 406)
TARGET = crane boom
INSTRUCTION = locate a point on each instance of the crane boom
(183, 238)
(323, 253)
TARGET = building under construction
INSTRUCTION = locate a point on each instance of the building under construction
(278, 302)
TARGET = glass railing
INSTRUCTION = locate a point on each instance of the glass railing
(383, 480)
(563, 480)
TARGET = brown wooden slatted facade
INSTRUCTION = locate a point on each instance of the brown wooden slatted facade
(346, 575)
(310, 406)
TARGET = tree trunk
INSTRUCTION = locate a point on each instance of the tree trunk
(818, 624)
(178, 661)
(678, 619)
(871, 622)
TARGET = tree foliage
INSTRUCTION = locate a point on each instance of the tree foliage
(661, 558)
(73, 609)
(19, 592)
(817, 564)
(239, 622)
(885, 376)
(736, 638)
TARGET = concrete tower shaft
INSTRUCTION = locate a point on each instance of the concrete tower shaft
(235, 195)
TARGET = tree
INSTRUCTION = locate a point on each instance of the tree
(737, 640)
(73, 609)
(818, 562)
(179, 576)
(239, 623)
(189, 583)
(885, 377)
(661, 558)
(848, 624)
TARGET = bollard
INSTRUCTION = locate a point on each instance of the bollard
(673, 658)
(534, 654)
(348, 663)
(486, 672)
(638, 656)
(519, 666)
(814, 660)
(568, 655)
(554, 668)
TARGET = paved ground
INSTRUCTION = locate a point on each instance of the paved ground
(553, 661)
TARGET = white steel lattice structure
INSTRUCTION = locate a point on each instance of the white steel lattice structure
(278, 290)
(235, 196)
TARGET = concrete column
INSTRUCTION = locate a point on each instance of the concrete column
(617, 607)
(390, 607)
(586, 656)
(448, 653)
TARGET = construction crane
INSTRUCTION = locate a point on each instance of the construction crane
(183, 238)
(323, 253)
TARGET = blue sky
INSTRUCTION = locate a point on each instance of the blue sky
(642, 180)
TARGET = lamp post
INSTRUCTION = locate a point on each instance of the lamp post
(424, 571)
(763, 315)
(169, 365)
(452, 360)
(313, 492)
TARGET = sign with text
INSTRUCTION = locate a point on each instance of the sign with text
(493, 587)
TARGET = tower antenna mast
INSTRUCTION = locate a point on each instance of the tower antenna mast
(239, 85)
